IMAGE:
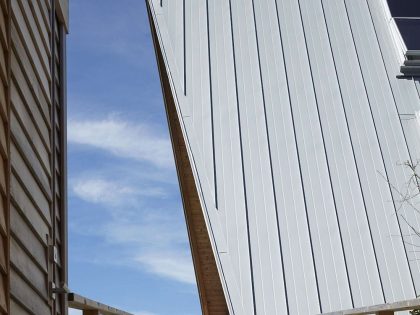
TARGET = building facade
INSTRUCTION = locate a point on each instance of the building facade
(294, 124)
(33, 233)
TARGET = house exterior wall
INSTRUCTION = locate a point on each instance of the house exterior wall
(32, 136)
(296, 121)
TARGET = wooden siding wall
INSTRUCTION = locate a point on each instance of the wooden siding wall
(4, 153)
(35, 141)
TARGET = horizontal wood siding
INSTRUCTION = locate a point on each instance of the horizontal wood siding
(35, 179)
(4, 153)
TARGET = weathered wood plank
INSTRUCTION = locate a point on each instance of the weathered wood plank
(39, 85)
(40, 63)
(42, 27)
(32, 68)
(36, 191)
(3, 142)
(3, 262)
(3, 300)
(16, 309)
(3, 177)
(24, 234)
(31, 130)
(25, 205)
(28, 269)
(3, 226)
(3, 35)
(32, 159)
(21, 63)
(45, 15)
(3, 69)
(30, 100)
(35, 33)
(3, 105)
(23, 293)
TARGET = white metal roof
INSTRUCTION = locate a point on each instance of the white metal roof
(295, 121)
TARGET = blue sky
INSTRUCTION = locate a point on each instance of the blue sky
(128, 244)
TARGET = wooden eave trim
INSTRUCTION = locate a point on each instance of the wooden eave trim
(185, 175)
(62, 10)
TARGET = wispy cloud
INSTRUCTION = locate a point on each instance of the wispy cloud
(145, 226)
(134, 141)
(145, 235)
(156, 243)
(102, 191)
(172, 265)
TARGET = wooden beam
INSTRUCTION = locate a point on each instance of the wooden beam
(62, 9)
(382, 309)
(91, 307)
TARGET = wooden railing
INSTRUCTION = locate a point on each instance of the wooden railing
(90, 307)
(382, 309)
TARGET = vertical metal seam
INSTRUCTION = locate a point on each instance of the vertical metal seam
(242, 160)
(377, 139)
(205, 208)
(417, 86)
(270, 159)
(163, 73)
(299, 162)
(353, 151)
(326, 154)
(211, 107)
(399, 118)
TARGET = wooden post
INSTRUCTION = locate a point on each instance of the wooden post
(91, 312)
(385, 313)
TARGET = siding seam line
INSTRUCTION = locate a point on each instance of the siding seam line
(352, 148)
(270, 157)
(211, 107)
(376, 131)
(326, 156)
(242, 159)
(399, 119)
(299, 162)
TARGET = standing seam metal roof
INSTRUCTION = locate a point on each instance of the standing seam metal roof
(295, 121)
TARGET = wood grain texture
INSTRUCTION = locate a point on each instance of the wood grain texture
(36, 214)
(5, 22)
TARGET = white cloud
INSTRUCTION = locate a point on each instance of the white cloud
(151, 239)
(172, 265)
(157, 244)
(141, 232)
(98, 190)
(72, 311)
(123, 139)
